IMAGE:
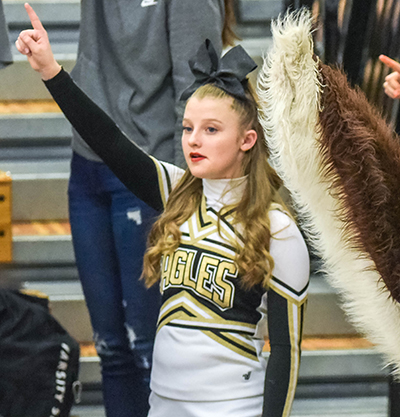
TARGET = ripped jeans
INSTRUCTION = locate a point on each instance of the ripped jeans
(109, 230)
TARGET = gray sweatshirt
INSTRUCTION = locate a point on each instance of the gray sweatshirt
(133, 62)
(5, 47)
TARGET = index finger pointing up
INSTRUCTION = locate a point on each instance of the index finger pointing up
(36, 23)
(391, 63)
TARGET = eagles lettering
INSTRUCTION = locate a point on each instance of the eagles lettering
(206, 274)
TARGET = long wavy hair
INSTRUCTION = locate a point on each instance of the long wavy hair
(228, 31)
(253, 258)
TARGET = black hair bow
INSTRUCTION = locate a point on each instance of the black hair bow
(228, 73)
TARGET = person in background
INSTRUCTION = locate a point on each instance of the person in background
(5, 46)
(229, 260)
(392, 81)
(132, 61)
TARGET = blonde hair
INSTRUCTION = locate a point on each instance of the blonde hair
(253, 259)
(228, 34)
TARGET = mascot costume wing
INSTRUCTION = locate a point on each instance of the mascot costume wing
(341, 163)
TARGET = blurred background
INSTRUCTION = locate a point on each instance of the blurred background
(341, 374)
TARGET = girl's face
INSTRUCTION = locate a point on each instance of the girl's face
(213, 142)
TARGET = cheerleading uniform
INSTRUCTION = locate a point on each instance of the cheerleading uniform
(211, 329)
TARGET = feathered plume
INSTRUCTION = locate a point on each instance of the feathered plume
(362, 153)
(340, 163)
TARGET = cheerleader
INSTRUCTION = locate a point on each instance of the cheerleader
(230, 261)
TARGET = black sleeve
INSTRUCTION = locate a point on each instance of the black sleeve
(285, 325)
(129, 163)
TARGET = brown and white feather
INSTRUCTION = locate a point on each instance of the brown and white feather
(305, 121)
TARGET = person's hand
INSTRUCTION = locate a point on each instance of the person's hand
(392, 81)
(34, 43)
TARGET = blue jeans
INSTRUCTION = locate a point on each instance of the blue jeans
(109, 231)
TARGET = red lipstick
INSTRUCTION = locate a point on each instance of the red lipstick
(194, 156)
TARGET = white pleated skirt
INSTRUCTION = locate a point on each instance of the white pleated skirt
(242, 407)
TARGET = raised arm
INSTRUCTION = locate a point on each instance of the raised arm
(138, 171)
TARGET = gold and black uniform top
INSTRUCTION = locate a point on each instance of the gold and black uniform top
(211, 330)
